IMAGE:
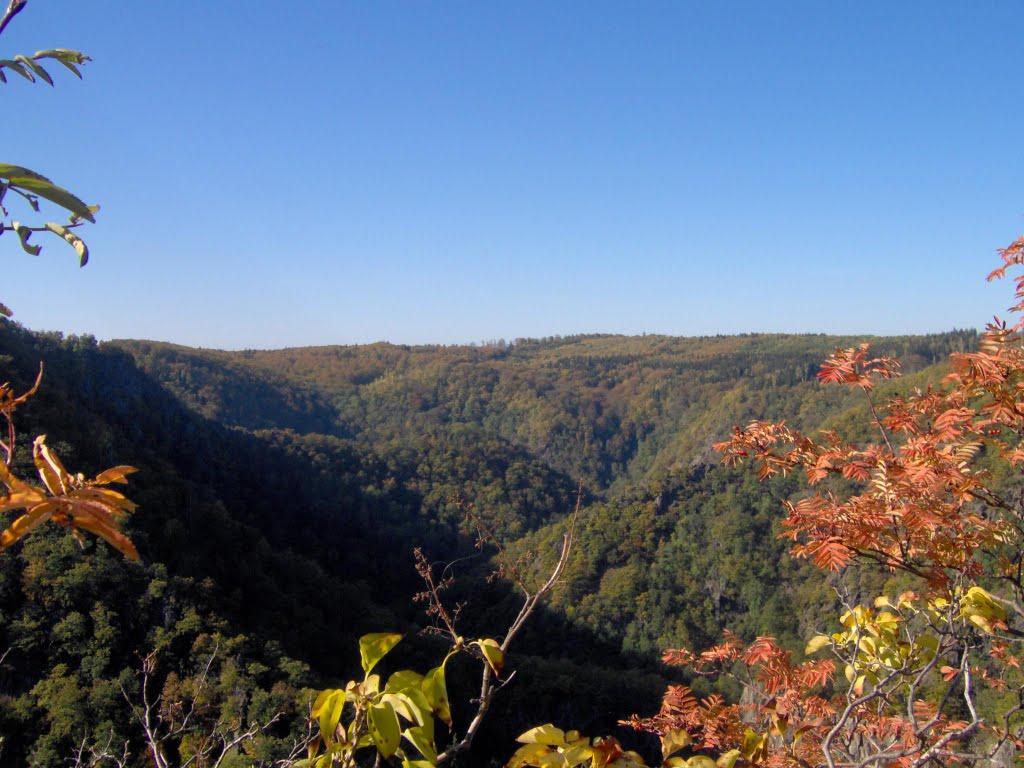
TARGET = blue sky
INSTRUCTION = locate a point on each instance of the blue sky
(316, 172)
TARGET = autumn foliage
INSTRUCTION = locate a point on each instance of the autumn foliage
(927, 677)
(69, 500)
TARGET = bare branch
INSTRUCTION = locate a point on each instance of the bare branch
(488, 685)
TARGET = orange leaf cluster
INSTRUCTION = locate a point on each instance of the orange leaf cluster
(927, 499)
(915, 510)
(68, 500)
(9, 402)
(789, 707)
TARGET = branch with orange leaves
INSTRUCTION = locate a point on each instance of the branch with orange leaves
(67, 500)
(9, 402)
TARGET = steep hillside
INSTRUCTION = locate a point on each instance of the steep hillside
(608, 409)
(281, 494)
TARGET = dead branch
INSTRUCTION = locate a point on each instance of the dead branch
(489, 685)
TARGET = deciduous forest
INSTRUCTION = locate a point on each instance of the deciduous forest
(281, 496)
(596, 550)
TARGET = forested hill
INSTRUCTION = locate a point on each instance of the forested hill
(281, 494)
(608, 409)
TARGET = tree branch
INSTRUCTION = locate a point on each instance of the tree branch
(488, 687)
(13, 9)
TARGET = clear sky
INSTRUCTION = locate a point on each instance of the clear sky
(323, 171)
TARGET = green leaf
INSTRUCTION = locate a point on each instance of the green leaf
(24, 233)
(728, 760)
(374, 647)
(32, 182)
(17, 68)
(77, 72)
(384, 728)
(754, 745)
(35, 67)
(492, 653)
(62, 54)
(74, 240)
(66, 57)
(436, 691)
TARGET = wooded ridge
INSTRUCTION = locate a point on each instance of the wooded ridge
(281, 494)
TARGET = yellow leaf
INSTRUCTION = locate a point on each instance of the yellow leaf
(384, 728)
(373, 648)
(528, 754)
(330, 715)
(816, 643)
(492, 653)
(436, 691)
(321, 699)
(422, 737)
(116, 504)
(674, 740)
(543, 734)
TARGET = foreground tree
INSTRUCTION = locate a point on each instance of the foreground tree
(401, 719)
(66, 499)
(928, 674)
(30, 186)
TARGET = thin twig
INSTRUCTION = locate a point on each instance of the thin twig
(487, 683)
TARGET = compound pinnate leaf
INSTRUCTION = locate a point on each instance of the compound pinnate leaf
(32, 182)
(73, 240)
(73, 502)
